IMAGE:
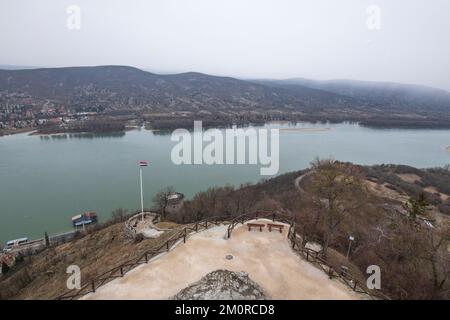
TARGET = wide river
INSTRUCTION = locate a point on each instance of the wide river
(44, 181)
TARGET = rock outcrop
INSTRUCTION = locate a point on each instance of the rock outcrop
(222, 285)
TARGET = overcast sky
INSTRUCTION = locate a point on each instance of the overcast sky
(319, 39)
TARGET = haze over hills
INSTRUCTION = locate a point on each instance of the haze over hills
(387, 94)
(15, 67)
(115, 88)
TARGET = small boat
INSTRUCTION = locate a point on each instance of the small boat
(83, 219)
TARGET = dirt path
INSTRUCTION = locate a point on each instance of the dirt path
(299, 179)
(265, 256)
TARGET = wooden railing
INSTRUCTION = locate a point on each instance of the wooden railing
(130, 229)
(315, 257)
(119, 271)
(274, 216)
(297, 245)
(307, 253)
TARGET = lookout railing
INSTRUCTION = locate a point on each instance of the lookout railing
(130, 223)
(317, 259)
(309, 254)
(274, 216)
(119, 271)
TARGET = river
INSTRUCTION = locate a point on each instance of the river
(44, 181)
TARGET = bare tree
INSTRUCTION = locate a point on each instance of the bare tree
(436, 255)
(119, 214)
(161, 200)
(337, 192)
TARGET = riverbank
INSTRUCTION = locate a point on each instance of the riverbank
(166, 125)
(304, 129)
(9, 132)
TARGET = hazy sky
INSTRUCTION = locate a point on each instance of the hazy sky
(321, 39)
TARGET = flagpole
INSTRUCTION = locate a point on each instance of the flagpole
(142, 195)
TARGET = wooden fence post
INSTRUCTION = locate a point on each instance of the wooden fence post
(121, 271)
(330, 273)
(93, 285)
(307, 255)
(146, 257)
(167, 245)
(354, 286)
(196, 227)
(184, 236)
(273, 217)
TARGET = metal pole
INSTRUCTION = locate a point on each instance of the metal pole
(142, 195)
(349, 247)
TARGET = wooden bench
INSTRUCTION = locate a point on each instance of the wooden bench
(256, 225)
(275, 226)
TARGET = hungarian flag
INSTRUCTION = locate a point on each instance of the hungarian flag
(143, 163)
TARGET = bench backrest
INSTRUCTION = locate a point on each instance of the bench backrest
(275, 225)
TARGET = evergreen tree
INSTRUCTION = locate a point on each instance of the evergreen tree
(5, 267)
(416, 206)
(47, 240)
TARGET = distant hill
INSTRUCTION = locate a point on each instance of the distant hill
(127, 88)
(134, 87)
(15, 67)
(385, 95)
